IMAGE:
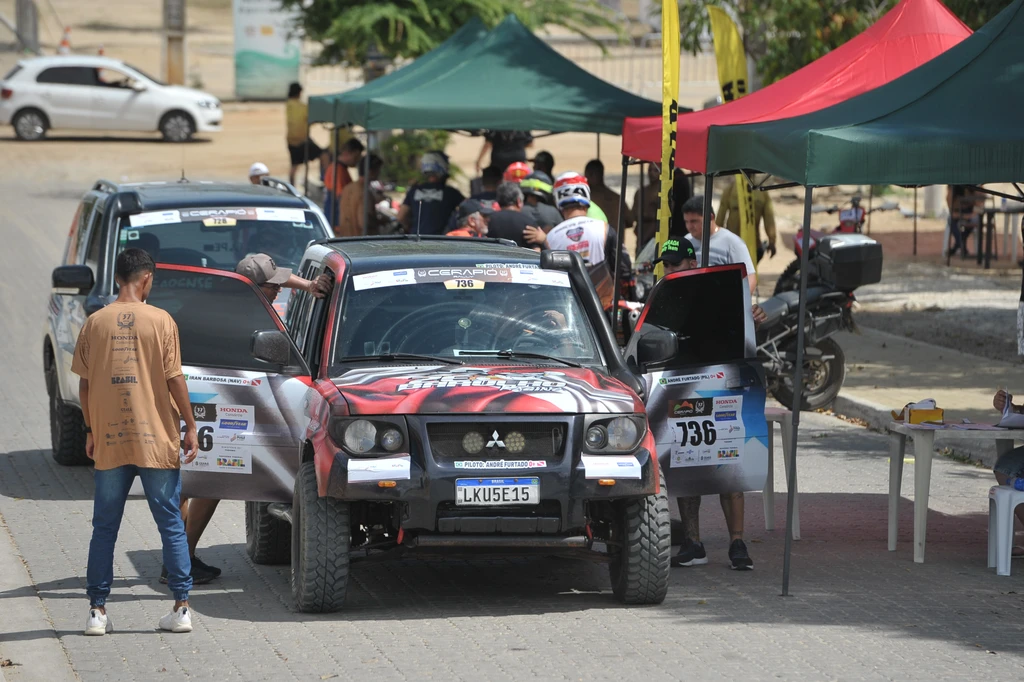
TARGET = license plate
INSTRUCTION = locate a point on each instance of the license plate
(497, 491)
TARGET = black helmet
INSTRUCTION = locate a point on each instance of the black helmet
(537, 183)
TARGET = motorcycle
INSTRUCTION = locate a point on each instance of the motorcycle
(839, 265)
(851, 221)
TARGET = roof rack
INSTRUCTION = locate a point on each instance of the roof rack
(414, 237)
(105, 186)
(277, 183)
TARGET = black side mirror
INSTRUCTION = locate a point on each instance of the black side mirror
(271, 346)
(556, 260)
(73, 280)
(656, 346)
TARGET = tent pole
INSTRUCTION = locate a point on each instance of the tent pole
(598, 146)
(640, 212)
(337, 200)
(871, 196)
(705, 240)
(365, 174)
(305, 173)
(915, 221)
(619, 246)
(798, 383)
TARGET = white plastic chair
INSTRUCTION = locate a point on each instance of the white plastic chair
(1002, 501)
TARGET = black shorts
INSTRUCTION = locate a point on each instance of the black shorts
(298, 152)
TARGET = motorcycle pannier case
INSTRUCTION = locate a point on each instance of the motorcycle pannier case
(849, 261)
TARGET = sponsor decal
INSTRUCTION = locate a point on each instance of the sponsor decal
(234, 424)
(202, 283)
(124, 380)
(728, 453)
(125, 320)
(525, 382)
(725, 416)
(691, 407)
(231, 381)
(574, 233)
(233, 410)
(154, 218)
(502, 464)
(204, 412)
(230, 463)
(691, 378)
(509, 266)
(120, 337)
(727, 402)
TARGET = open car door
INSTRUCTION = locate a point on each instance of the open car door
(250, 412)
(693, 344)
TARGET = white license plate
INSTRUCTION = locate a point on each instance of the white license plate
(497, 491)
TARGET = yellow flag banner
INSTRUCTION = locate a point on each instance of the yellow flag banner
(669, 108)
(732, 77)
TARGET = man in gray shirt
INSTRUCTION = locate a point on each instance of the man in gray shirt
(725, 248)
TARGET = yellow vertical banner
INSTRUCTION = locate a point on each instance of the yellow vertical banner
(732, 77)
(669, 109)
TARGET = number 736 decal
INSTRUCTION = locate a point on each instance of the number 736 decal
(698, 433)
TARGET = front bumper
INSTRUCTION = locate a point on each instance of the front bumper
(427, 497)
(210, 120)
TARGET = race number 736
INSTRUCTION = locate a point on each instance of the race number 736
(698, 433)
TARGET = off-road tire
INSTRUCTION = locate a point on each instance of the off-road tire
(268, 539)
(67, 426)
(321, 537)
(640, 571)
(827, 394)
(30, 125)
(177, 126)
(789, 280)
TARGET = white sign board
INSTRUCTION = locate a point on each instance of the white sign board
(267, 51)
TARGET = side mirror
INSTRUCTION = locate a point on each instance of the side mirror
(138, 86)
(656, 346)
(271, 346)
(73, 280)
(556, 260)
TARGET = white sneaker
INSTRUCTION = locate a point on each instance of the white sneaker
(98, 624)
(177, 621)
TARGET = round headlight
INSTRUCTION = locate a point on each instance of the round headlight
(622, 433)
(360, 436)
(597, 437)
(391, 440)
(515, 442)
(472, 442)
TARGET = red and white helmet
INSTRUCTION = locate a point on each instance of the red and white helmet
(516, 172)
(571, 188)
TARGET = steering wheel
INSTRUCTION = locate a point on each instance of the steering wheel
(183, 256)
(434, 322)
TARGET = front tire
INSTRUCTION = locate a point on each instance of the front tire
(321, 537)
(267, 538)
(30, 125)
(823, 379)
(640, 571)
(177, 126)
(67, 426)
(789, 280)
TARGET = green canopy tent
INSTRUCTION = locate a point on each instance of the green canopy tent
(953, 120)
(508, 80)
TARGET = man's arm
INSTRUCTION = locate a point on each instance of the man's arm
(179, 392)
(723, 205)
(769, 224)
(483, 151)
(83, 397)
(319, 287)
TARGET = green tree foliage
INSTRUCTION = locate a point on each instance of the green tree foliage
(409, 28)
(976, 13)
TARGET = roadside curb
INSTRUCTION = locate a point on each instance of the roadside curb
(878, 417)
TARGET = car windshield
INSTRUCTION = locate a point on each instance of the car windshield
(464, 313)
(143, 73)
(220, 237)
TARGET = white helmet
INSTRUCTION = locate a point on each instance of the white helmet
(571, 188)
(434, 163)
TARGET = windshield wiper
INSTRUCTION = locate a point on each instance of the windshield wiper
(510, 354)
(399, 357)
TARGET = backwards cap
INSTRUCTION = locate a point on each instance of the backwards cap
(571, 188)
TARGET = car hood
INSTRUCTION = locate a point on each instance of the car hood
(438, 389)
(189, 93)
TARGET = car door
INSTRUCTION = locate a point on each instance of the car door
(68, 95)
(118, 105)
(251, 416)
(706, 404)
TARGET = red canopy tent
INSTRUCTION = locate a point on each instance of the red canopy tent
(910, 34)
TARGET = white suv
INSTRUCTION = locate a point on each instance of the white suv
(98, 93)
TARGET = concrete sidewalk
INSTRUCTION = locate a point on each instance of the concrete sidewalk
(885, 372)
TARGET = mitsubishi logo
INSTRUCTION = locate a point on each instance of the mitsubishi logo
(495, 441)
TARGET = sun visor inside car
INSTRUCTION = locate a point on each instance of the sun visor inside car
(709, 311)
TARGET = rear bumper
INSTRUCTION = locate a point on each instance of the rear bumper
(427, 496)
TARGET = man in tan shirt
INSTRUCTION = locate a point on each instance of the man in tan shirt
(350, 219)
(131, 386)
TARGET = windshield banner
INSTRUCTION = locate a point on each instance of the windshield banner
(215, 217)
(460, 277)
(710, 429)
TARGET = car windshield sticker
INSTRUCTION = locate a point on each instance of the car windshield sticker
(226, 434)
(464, 284)
(707, 431)
(283, 215)
(502, 464)
(219, 221)
(132, 235)
(154, 218)
(392, 278)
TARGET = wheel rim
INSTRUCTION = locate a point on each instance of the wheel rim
(30, 126)
(177, 128)
(816, 373)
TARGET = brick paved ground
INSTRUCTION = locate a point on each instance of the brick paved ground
(858, 611)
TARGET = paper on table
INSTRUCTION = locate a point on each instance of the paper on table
(1011, 419)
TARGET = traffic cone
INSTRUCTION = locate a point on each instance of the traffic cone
(65, 42)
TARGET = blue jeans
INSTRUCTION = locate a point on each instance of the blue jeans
(163, 492)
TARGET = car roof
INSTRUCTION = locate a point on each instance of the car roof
(167, 195)
(369, 254)
(71, 60)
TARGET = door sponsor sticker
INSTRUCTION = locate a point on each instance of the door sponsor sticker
(711, 435)
(379, 469)
(611, 466)
(226, 436)
(691, 378)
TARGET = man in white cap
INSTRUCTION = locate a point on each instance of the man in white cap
(197, 512)
(257, 172)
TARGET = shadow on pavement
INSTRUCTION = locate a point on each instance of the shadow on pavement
(33, 475)
(106, 139)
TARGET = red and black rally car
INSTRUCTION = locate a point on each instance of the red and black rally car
(447, 393)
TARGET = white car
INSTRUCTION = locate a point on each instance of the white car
(99, 93)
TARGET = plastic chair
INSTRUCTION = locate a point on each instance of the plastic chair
(1002, 501)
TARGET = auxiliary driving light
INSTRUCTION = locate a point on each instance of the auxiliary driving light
(597, 437)
(473, 442)
(391, 440)
(515, 442)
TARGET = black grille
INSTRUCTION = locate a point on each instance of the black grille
(543, 440)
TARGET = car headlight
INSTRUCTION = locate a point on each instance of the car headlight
(391, 440)
(360, 436)
(209, 104)
(597, 437)
(622, 434)
(613, 435)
